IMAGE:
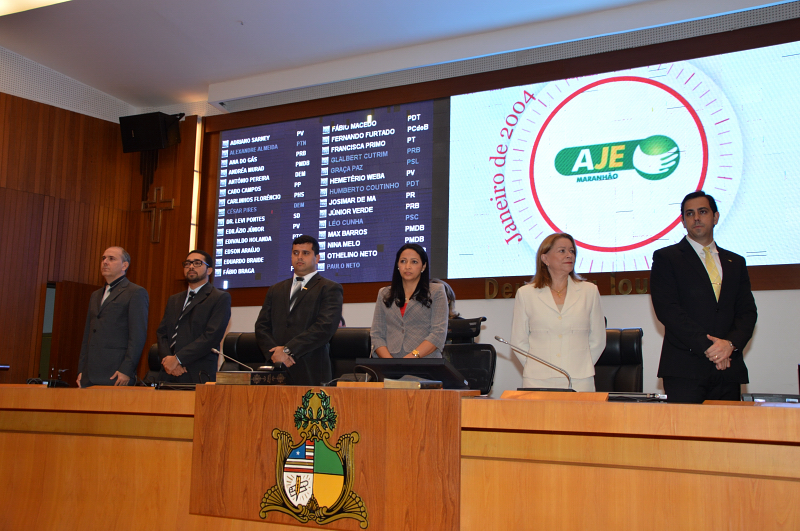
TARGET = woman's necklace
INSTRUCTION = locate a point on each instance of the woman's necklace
(558, 292)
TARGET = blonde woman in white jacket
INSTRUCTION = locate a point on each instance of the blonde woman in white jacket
(557, 317)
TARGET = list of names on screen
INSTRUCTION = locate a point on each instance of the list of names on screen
(359, 182)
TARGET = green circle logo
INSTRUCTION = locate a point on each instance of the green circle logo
(656, 157)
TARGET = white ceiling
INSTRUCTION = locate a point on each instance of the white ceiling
(154, 53)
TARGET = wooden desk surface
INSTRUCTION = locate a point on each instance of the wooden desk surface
(724, 421)
(136, 400)
(576, 465)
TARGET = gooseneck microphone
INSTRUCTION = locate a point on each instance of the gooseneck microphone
(540, 360)
(218, 353)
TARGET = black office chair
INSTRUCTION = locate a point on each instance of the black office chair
(347, 344)
(475, 361)
(242, 347)
(619, 368)
(153, 365)
(464, 330)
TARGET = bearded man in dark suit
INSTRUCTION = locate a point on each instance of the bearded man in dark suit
(299, 317)
(194, 323)
(701, 294)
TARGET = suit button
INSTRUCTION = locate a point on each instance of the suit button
(559, 317)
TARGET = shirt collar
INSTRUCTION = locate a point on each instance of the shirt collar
(698, 248)
(197, 289)
(115, 283)
(307, 277)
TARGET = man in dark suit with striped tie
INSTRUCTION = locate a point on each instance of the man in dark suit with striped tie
(701, 294)
(194, 323)
(300, 316)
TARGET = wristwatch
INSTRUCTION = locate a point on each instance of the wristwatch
(415, 352)
(287, 350)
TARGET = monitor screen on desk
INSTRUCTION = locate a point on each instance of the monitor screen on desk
(428, 368)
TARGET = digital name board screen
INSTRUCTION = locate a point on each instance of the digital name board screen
(359, 182)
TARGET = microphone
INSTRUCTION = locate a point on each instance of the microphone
(218, 353)
(540, 360)
(5, 367)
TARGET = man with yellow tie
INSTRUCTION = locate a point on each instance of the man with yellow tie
(701, 294)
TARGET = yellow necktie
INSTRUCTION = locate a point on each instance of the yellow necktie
(713, 272)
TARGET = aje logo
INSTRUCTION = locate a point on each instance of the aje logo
(607, 157)
(653, 158)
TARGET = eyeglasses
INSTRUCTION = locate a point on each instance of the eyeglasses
(196, 263)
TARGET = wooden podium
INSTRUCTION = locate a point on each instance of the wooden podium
(406, 461)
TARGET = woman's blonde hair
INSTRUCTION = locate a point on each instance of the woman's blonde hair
(542, 278)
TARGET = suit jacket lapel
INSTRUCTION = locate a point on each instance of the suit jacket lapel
(573, 294)
(303, 292)
(118, 289)
(728, 273)
(698, 266)
(547, 298)
(199, 297)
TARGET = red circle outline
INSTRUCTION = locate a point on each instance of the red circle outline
(656, 84)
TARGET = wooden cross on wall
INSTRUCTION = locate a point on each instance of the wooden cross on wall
(155, 208)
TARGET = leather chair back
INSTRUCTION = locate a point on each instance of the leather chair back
(619, 368)
(153, 365)
(464, 330)
(347, 344)
(242, 346)
(475, 361)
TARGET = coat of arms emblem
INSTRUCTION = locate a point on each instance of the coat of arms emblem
(314, 479)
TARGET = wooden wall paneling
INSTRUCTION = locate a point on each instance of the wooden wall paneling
(88, 254)
(46, 238)
(41, 147)
(69, 326)
(65, 161)
(41, 240)
(65, 188)
(33, 298)
(21, 224)
(4, 99)
(5, 274)
(63, 158)
(17, 267)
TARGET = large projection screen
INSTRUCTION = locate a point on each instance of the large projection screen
(608, 158)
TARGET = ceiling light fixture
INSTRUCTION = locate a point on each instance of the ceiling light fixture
(8, 7)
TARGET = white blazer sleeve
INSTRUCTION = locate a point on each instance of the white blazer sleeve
(520, 328)
(597, 325)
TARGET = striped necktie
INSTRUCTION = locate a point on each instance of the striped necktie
(175, 333)
(295, 291)
(713, 272)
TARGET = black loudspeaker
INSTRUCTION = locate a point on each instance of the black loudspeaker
(148, 132)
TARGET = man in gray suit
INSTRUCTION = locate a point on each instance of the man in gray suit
(116, 326)
(300, 316)
(194, 323)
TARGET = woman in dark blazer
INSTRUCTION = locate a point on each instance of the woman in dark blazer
(410, 319)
